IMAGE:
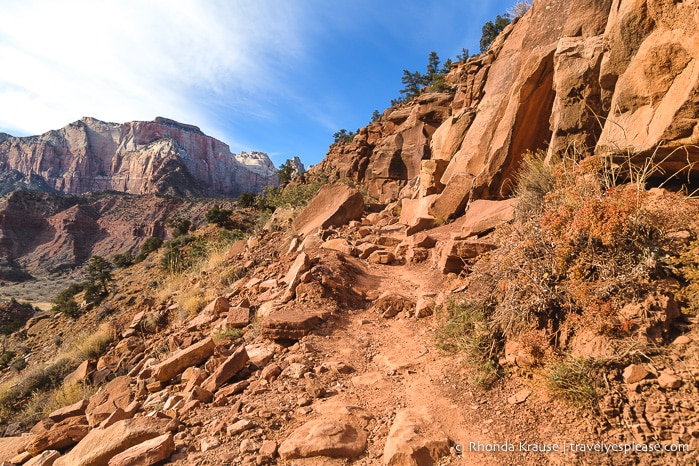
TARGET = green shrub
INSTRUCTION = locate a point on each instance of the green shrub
(65, 302)
(148, 246)
(219, 217)
(19, 364)
(122, 260)
(247, 200)
(173, 260)
(573, 380)
(292, 195)
(227, 237)
(98, 277)
(180, 226)
(6, 358)
(343, 136)
(465, 329)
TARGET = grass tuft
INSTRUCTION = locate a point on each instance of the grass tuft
(466, 330)
(573, 380)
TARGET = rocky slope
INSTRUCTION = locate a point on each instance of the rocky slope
(323, 353)
(613, 77)
(313, 341)
(44, 233)
(142, 157)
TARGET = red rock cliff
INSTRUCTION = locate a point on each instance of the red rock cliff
(605, 76)
(160, 156)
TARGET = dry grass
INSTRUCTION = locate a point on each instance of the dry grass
(191, 301)
(29, 395)
(587, 239)
(93, 345)
(66, 395)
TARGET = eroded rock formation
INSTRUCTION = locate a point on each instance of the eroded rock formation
(141, 157)
(601, 76)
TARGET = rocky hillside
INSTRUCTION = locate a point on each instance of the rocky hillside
(452, 300)
(43, 233)
(141, 157)
(599, 76)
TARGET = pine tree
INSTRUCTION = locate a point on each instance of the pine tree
(492, 29)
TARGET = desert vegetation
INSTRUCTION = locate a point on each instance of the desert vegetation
(586, 247)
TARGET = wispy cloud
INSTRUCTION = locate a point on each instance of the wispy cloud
(125, 60)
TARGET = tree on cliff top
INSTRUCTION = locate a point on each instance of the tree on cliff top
(492, 29)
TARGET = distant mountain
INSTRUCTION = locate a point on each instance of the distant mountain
(140, 157)
(42, 233)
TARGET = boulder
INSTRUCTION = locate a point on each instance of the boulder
(451, 255)
(334, 437)
(293, 276)
(46, 458)
(415, 440)
(100, 445)
(76, 409)
(260, 354)
(381, 257)
(217, 306)
(341, 245)
(12, 446)
(181, 360)
(453, 199)
(237, 317)
(334, 205)
(115, 394)
(58, 438)
(635, 373)
(483, 216)
(389, 304)
(82, 372)
(150, 452)
(415, 213)
(224, 372)
(291, 324)
(669, 381)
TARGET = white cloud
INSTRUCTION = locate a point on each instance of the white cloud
(135, 59)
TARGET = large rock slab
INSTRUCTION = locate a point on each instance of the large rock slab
(147, 453)
(415, 213)
(115, 394)
(415, 440)
(483, 216)
(453, 199)
(191, 356)
(293, 276)
(57, 438)
(100, 445)
(224, 372)
(12, 446)
(335, 437)
(46, 458)
(334, 205)
(76, 409)
(650, 79)
(291, 324)
(451, 256)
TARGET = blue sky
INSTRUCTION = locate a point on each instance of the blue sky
(274, 76)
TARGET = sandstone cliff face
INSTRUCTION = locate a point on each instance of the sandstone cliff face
(142, 157)
(605, 76)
